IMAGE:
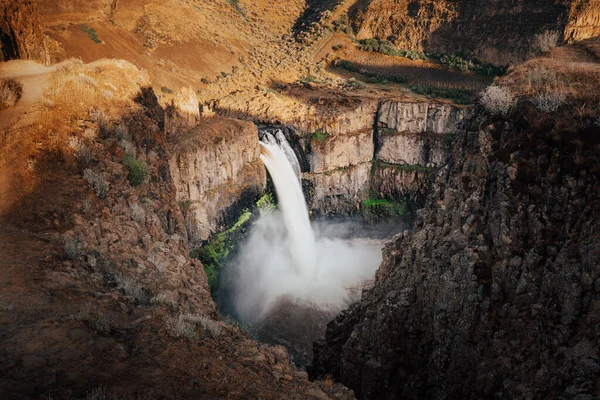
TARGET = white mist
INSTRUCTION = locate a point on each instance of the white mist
(284, 259)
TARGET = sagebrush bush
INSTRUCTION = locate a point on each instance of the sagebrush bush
(549, 102)
(72, 247)
(97, 181)
(207, 324)
(547, 40)
(10, 92)
(137, 170)
(179, 327)
(81, 151)
(138, 214)
(497, 100)
(132, 289)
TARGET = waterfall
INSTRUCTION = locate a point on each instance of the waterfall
(285, 260)
(283, 165)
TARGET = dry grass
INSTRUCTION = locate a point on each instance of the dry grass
(547, 40)
(97, 182)
(10, 93)
(184, 325)
(132, 289)
(78, 91)
(498, 100)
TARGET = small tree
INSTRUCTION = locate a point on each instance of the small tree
(547, 40)
(497, 100)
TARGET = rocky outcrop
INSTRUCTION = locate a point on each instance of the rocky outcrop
(215, 166)
(496, 292)
(21, 35)
(437, 118)
(339, 191)
(340, 151)
(584, 21)
(498, 32)
(402, 136)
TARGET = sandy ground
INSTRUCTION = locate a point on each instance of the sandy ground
(33, 77)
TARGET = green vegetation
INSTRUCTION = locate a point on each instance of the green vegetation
(371, 77)
(319, 135)
(266, 203)
(165, 89)
(205, 81)
(459, 96)
(216, 252)
(237, 6)
(384, 208)
(384, 47)
(91, 32)
(137, 170)
(468, 64)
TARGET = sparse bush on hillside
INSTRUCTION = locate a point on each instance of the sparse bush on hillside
(383, 47)
(97, 181)
(497, 100)
(179, 327)
(10, 93)
(137, 170)
(128, 147)
(72, 247)
(132, 289)
(93, 317)
(81, 151)
(91, 32)
(549, 102)
(542, 80)
(184, 325)
(459, 96)
(138, 214)
(547, 40)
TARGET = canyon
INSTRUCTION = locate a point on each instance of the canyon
(132, 183)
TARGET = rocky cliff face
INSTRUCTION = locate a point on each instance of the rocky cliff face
(404, 139)
(215, 167)
(496, 292)
(498, 32)
(21, 32)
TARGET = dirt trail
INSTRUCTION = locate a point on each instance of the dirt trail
(33, 77)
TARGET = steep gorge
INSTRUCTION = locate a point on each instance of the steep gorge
(498, 32)
(495, 292)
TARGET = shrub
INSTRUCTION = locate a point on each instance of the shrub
(128, 147)
(10, 93)
(205, 81)
(91, 32)
(121, 132)
(97, 181)
(549, 102)
(132, 289)
(179, 327)
(319, 135)
(459, 96)
(72, 247)
(138, 214)
(207, 324)
(547, 40)
(81, 151)
(137, 170)
(497, 100)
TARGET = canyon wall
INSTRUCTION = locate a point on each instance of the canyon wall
(496, 291)
(21, 33)
(393, 150)
(217, 171)
(499, 32)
